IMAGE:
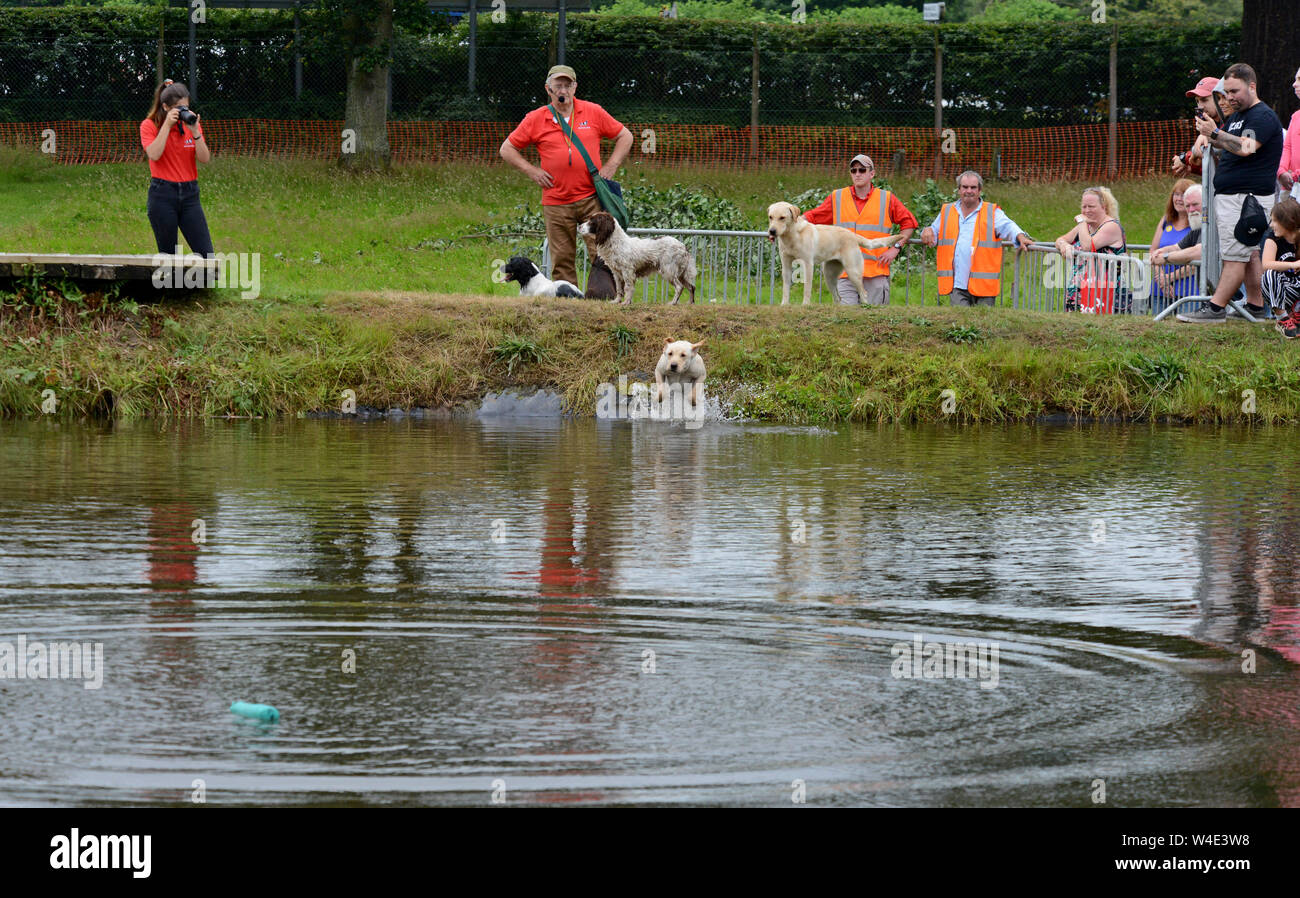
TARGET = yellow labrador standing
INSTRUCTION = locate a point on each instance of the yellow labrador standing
(834, 248)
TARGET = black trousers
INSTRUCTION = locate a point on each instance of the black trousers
(174, 204)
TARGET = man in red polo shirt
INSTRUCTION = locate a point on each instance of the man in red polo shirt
(568, 193)
(871, 213)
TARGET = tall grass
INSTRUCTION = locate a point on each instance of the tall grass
(816, 364)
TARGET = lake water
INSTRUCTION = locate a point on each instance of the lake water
(582, 612)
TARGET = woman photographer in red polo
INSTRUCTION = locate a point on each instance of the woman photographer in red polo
(173, 141)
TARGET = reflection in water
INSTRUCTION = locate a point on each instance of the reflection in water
(173, 571)
(1247, 590)
(1247, 599)
(615, 612)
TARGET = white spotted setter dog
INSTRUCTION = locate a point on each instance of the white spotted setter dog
(629, 258)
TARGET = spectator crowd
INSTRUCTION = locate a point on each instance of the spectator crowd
(1234, 210)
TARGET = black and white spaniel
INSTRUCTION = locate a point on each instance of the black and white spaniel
(533, 283)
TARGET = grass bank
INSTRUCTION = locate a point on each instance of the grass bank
(379, 285)
(815, 364)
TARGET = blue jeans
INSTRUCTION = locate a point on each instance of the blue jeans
(175, 204)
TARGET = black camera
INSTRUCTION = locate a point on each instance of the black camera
(187, 115)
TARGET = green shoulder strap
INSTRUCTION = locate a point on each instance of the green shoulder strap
(559, 119)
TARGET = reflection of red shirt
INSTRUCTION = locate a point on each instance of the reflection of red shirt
(177, 162)
(589, 123)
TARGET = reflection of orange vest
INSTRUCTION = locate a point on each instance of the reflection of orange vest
(986, 251)
(872, 221)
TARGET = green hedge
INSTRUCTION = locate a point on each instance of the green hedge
(100, 62)
(994, 75)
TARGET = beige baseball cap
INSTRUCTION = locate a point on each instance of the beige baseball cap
(562, 70)
(864, 159)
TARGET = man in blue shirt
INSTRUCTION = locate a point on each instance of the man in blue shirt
(969, 188)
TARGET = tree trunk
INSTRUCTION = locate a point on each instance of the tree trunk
(366, 112)
(1270, 33)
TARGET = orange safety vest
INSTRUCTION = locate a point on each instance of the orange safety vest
(872, 221)
(986, 252)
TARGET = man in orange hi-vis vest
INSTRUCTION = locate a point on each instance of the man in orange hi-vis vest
(969, 234)
(871, 212)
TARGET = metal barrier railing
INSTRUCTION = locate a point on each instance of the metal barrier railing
(1098, 283)
(744, 267)
(1213, 267)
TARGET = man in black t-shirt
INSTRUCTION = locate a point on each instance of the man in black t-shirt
(1252, 140)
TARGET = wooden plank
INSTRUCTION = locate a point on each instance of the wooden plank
(146, 261)
(92, 267)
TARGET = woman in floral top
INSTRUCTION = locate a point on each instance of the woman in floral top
(1092, 284)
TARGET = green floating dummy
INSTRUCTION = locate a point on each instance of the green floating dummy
(264, 713)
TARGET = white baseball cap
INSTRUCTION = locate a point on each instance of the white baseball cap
(864, 159)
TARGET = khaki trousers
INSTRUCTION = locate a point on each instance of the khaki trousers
(876, 288)
(562, 233)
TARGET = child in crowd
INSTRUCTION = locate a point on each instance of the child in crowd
(1281, 281)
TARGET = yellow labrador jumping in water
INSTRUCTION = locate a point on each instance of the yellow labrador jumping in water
(834, 248)
(681, 366)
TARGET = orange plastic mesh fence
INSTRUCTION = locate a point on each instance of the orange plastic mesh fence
(1038, 154)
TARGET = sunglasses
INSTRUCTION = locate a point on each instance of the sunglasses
(857, 169)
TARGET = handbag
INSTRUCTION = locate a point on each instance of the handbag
(608, 193)
(1097, 298)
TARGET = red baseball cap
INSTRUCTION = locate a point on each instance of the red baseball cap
(1203, 88)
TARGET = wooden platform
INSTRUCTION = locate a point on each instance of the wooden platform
(112, 268)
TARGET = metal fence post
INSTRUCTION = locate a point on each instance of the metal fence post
(194, 69)
(161, 26)
(1015, 281)
(938, 104)
(473, 42)
(297, 56)
(559, 51)
(1211, 264)
(1111, 143)
(753, 102)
